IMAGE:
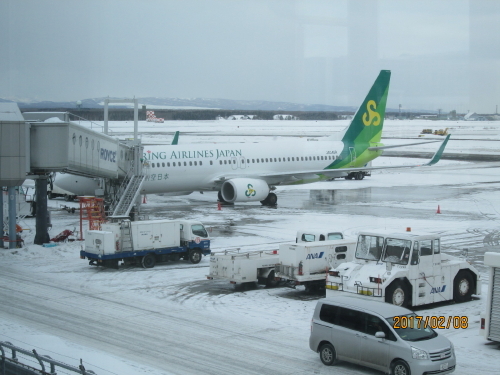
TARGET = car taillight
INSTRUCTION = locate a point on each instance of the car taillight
(376, 280)
(483, 323)
(334, 273)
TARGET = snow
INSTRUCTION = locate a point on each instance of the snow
(171, 319)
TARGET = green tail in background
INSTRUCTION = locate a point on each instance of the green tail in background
(365, 129)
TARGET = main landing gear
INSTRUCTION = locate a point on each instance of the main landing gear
(271, 200)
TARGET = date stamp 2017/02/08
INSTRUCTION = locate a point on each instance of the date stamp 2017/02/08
(434, 322)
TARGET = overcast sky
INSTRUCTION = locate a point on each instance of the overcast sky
(443, 54)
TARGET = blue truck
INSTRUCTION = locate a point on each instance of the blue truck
(146, 242)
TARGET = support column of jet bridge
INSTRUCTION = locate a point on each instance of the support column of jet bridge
(129, 190)
(14, 161)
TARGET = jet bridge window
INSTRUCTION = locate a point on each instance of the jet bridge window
(397, 251)
(369, 247)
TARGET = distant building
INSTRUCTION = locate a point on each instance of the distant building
(473, 116)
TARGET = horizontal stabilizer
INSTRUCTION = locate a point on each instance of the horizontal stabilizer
(394, 146)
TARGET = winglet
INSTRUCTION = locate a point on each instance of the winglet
(176, 138)
(439, 152)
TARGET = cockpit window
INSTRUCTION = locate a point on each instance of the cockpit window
(369, 247)
(199, 230)
(397, 251)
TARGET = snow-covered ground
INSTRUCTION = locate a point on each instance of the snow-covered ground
(172, 320)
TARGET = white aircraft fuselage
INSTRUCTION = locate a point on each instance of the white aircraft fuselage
(193, 167)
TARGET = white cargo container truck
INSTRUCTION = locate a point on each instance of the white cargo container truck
(308, 263)
(244, 267)
(490, 319)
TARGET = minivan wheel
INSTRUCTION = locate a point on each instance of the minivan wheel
(400, 368)
(328, 355)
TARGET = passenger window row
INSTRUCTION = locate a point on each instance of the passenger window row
(233, 161)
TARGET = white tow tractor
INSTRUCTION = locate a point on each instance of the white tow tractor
(490, 319)
(308, 263)
(405, 269)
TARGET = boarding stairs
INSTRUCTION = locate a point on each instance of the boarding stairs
(130, 188)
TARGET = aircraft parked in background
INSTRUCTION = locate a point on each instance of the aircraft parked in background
(248, 172)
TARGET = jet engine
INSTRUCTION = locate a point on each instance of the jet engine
(244, 190)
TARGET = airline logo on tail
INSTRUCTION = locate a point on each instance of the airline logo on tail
(371, 117)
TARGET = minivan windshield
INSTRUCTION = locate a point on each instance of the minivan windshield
(415, 329)
(199, 230)
(369, 247)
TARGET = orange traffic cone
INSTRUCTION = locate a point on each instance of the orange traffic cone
(439, 210)
(219, 206)
(144, 199)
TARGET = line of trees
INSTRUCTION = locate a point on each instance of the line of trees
(127, 114)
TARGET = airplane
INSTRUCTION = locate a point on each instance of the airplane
(249, 172)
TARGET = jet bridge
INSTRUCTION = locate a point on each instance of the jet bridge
(36, 144)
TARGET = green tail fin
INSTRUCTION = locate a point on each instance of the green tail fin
(365, 130)
(176, 138)
(366, 126)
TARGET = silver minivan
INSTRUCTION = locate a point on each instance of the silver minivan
(362, 331)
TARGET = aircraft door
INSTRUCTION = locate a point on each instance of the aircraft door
(242, 162)
(234, 163)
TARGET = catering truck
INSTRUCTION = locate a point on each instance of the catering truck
(146, 242)
(405, 269)
(308, 263)
(490, 319)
